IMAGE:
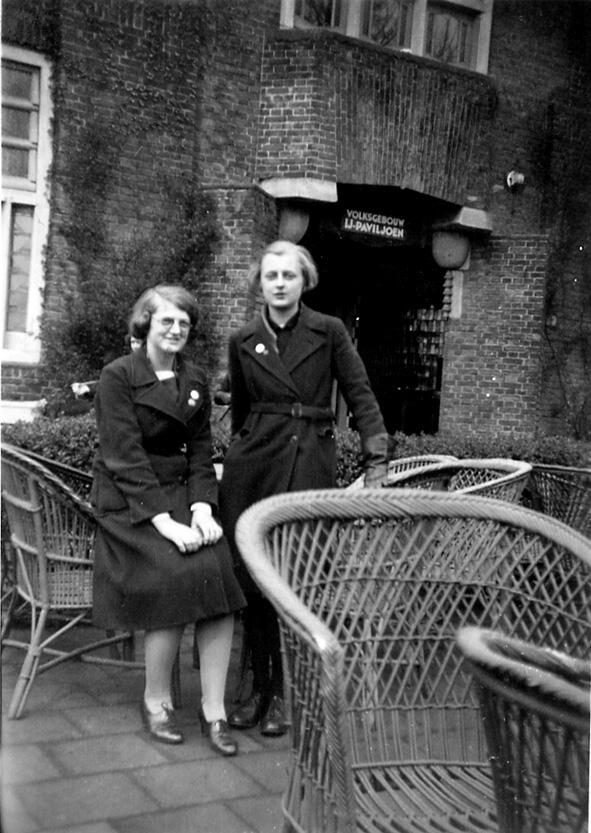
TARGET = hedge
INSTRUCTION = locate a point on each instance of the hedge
(72, 440)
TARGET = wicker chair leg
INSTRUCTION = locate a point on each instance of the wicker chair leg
(9, 599)
(28, 670)
(128, 648)
(9, 591)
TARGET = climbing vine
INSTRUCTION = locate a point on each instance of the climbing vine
(127, 209)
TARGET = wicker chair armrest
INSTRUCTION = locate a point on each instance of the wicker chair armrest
(404, 465)
(35, 466)
(253, 546)
(561, 680)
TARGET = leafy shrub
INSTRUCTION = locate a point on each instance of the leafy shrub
(72, 440)
(68, 439)
(533, 448)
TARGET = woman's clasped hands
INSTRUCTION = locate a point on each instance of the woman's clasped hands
(203, 522)
(185, 538)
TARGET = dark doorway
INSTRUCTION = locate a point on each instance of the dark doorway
(390, 298)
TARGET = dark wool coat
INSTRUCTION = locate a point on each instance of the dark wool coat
(279, 452)
(154, 456)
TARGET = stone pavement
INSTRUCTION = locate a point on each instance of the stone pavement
(78, 761)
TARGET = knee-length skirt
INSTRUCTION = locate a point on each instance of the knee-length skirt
(142, 581)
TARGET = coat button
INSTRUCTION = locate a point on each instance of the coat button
(293, 438)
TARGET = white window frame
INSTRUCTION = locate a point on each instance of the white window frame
(25, 347)
(482, 8)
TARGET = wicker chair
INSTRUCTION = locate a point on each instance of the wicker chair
(51, 535)
(402, 464)
(563, 492)
(535, 712)
(371, 587)
(490, 477)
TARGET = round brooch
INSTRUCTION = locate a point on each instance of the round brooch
(260, 348)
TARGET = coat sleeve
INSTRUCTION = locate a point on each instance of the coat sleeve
(351, 375)
(239, 396)
(121, 449)
(202, 482)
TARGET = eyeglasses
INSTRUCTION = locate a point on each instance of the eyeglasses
(167, 323)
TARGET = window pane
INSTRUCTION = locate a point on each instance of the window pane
(21, 235)
(450, 35)
(17, 82)
(15, 162)
(16, 123)
(326, 13)
(388, 22)
(20, 122)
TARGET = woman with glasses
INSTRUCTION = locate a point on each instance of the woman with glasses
(160, 558)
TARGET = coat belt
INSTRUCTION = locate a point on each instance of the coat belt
(293, 409)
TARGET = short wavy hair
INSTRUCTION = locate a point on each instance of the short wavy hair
(147, 304)
(281, 247)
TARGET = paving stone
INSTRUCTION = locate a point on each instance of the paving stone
(270, 771)
(101, 720)
(202, 818)
(15, 818)
(106, 754)
(71, 801)
(38, 726)
(174, 785)
(92, 827)
(22, 764)
(261, 813)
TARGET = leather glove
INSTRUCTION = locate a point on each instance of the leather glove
(374, 451)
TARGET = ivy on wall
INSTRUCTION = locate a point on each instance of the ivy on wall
(567, 360)
(127, 210)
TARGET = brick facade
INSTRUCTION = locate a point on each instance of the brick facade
(492, 359)
(216, 96)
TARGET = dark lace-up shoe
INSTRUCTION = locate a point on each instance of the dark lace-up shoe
(273, 722)
(161, 725)
(218, 735)
(249, 714)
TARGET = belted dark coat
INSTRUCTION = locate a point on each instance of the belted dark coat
(154, 456)
(282, 425)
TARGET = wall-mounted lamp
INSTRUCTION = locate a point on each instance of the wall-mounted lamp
(515, 180)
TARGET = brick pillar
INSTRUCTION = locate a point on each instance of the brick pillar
(491, 370)
(248, 220)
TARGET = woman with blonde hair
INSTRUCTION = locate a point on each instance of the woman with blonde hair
(282, 366)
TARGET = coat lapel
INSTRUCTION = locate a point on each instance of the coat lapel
(148, 391)
(259, 343)
(306, 339)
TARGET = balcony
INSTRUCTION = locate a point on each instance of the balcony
(335, 109)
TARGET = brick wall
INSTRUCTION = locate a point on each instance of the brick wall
(492, 357)
(334, 109)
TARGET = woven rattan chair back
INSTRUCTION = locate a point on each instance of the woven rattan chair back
(406, 464)
(52, 536)
(535, 712)
(371, 587)
(498, 478)
(563, 492)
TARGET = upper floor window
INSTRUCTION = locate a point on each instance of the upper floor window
(20, 123)
(26, 156)
(451, 31)
(450, 34)
(387, 22)
(325, 13)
